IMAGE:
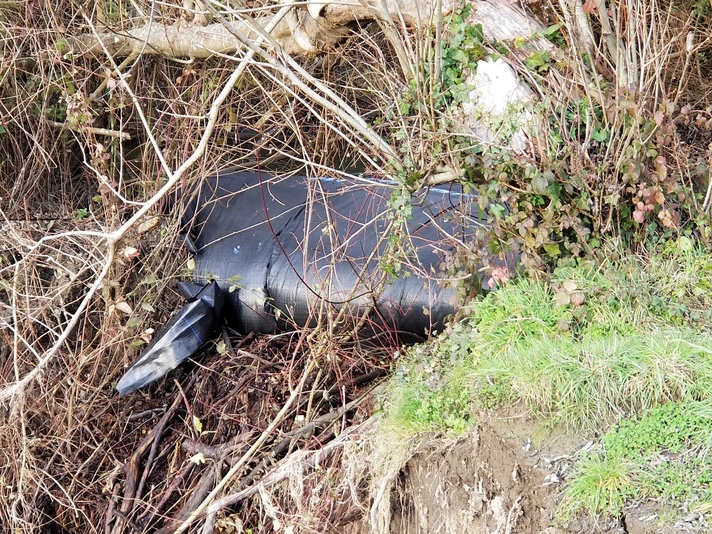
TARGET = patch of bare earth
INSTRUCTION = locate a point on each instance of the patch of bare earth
(479, 484)
(503, 478)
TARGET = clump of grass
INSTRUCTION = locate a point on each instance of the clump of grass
(601, 484)
(590, 346)
(588, 382)
(661, 455)
(518, 314)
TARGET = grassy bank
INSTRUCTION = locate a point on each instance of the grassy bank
(618, 350)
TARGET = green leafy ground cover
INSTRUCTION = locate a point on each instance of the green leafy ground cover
(618, 350)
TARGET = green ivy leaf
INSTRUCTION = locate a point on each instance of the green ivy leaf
(497, 210)
(552, 249)
(600, 135)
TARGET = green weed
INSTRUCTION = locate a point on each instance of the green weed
(431, 388)
(663, 454)
(461, 51)
(600, 484)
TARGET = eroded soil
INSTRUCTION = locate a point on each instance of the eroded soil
(480, 484)
(503, 478)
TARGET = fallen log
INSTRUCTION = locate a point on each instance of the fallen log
(302, 31)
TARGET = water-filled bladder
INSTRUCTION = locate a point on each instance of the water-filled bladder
(283, 253)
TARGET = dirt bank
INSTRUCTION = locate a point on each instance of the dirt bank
(500, 480)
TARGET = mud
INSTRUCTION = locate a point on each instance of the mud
(481, 484)
(498, 480)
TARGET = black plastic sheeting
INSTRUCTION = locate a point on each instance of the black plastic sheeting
(282, 252)
(189, 329)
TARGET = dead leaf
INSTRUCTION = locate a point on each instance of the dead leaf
(590, 6)
(198, 424)
(577, 298)
(130, 253)
(659, 197)
(147, 225)
(123, 307)
(668, 218)
(562, 299)
(198, 459)
(501, 275)
(147, 335)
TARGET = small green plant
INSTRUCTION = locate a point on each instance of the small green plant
(672, 427)
(401, 211)
(659, 455)
(701, 9)
(431, 390)
(553, 34)
(539, 61)
(600, 484)
(465, 46)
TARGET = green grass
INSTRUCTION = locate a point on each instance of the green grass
(619, 349)
(600, 484)
(587, 383)
(661, 455)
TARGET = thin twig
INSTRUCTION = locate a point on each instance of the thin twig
(90, 129)
(250, 453)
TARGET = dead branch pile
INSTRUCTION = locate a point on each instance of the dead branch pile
(242, 424)
(94, 153)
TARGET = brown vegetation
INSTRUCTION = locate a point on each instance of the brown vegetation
(95, 146)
